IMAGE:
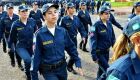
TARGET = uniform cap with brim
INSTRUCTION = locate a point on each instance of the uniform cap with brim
(9, 5)
(104, 9)
(70, 5)
(46, 7)
(82, 4)
(136, 4)
(23, 8)
(132, 27)
(34, 3)
(1, 4)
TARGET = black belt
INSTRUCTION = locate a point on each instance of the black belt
(45, 67)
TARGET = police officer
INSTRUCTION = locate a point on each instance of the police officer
(62, 12)
(2, 14)
(22, 31)
(101, 39)
(92, 5)
(112, 18)
(5, 27)
(98, 5)
(126, 67)
(51, 41)
(36, 14)
(136, 8)
(85, 18)
(73, 24)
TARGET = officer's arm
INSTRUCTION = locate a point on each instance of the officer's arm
(93, 42)
(62, 22)
(114, 22)
(1, 28)
(116, 75)
(90, 21)
(36, 58)
(81, 29)
(12, 36)
(71, 50)
(30, 14)
(113, 37)
(41, 15)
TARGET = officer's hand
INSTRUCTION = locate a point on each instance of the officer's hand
(80, 71)
(96, 61)
(84, 40)
(9, 49)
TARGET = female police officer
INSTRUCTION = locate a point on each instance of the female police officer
(102, 38)
(127, 67)
(22, 31)
(51, 41)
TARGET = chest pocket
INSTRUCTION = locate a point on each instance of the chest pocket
(103, 32)
(68, 24)
(48, 44)
(83, 15)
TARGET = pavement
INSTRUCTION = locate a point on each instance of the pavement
(89, 67)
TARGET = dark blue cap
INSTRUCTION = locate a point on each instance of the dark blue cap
(35, 3)
(104, 9)
(70, 4)
(107, 4)
(46, 7)
(132, 27)
(23, 8)
(136, 4)
(82, 4)
(1, 4)
(9, 5)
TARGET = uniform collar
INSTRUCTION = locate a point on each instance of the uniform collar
(135, 61)
(45, 29)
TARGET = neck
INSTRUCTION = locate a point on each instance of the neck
(34, 9)
(103, 20)
(50, 25)
(10, 15)
(137, 49)
(23, 20)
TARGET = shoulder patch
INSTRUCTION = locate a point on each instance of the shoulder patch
(92, 29)
(111, 77)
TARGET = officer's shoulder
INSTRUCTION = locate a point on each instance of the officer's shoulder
(122, 64)
(31, 19)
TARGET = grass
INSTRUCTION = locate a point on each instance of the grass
(121, 4)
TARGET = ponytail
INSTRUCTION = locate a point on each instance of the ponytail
(121, 47)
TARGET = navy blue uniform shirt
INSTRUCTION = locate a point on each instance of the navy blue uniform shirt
(125, 68)
(114, 22)
(22, 33)
(73, 25)
(102, 37)
(36, 15)
(2, 14)
(85, 17)
(49, 49)
(6, 23)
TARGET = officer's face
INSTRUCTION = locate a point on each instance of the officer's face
(105, 16)
(0, 8)
(83, 7)
(51, 15)
(135, 39)
(35, 6)
(10, 10)
(137, 9)
(71, 10)
(24, 14)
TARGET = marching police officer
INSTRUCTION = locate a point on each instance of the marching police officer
(101, 38)
(2, 14)
(126, 67)
(136, 8)
(98, 5)
(36, 14)
(112, 18)
(85, 18)
(51, 41)
(73, 24)
(22, 31)
(5, 27)
(92, 5)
